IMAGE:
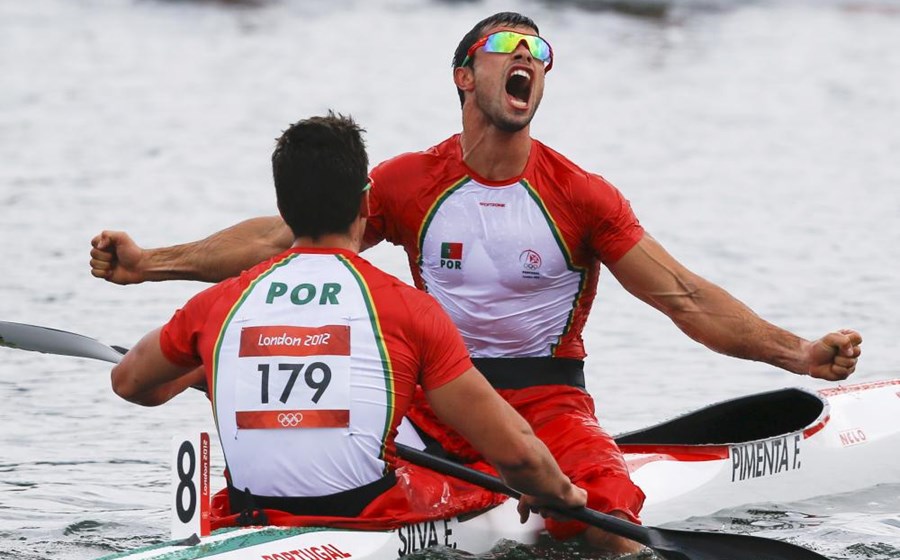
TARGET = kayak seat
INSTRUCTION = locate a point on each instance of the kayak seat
(750, 418)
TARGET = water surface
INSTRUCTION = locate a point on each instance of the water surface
(756, 140)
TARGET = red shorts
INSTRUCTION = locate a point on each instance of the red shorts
(419, 495)
(563, 418)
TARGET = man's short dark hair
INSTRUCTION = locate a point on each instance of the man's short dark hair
(320, 167)
(511, 19)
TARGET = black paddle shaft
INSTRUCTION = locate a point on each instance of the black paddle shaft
(669, 543)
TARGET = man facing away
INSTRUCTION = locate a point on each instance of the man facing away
(311, 359)
(509, 235)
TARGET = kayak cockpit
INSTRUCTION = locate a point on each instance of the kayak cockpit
(750, 418)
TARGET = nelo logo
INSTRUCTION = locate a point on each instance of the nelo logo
(852, 437)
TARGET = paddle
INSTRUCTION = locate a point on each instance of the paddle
(64, 343)
(53, 341)
(669, 543)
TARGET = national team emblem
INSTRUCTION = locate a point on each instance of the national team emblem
(530, 260)
(531, 263)
(451, 255)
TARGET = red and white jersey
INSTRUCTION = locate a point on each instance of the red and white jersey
(514, 263)
(311, 359)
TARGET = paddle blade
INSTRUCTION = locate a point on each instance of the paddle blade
(54, 341)
(689, 545)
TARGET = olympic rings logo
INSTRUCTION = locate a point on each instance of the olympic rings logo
(290, 419)
(531, 260)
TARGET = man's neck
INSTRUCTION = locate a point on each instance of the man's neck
(351, 240)
(329, 241)
(492, 153)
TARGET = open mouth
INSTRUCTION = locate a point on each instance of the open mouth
(518, 86)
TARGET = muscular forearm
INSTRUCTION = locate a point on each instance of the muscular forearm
(475, 410)
(522, 459)
(712, 316)
(706, 312)
(163, 393)
(536, 473)
(716, 319)
(221, 255)
(146, 377)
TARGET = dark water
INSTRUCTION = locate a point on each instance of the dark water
(757, 140)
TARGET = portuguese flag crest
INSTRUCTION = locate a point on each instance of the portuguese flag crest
(451, 251)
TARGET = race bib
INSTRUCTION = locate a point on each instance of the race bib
(293, 377)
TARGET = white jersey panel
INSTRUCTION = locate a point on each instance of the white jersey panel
(490, 256)
(292, 405)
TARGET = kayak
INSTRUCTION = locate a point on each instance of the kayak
(475, 535)
(778, 446)
(784, 445)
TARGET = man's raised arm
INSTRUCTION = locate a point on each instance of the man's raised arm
(713, 317)
(115, 257)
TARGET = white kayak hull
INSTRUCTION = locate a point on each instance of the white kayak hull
(478, 534)
(772, 447)
(849, 442)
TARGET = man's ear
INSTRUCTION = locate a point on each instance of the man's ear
(464, 78)
(364, 208)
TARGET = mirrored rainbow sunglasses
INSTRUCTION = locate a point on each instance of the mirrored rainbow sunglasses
(507, 41)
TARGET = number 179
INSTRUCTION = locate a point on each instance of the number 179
(318, 385)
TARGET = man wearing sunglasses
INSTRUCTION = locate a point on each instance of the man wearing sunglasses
(508, 235)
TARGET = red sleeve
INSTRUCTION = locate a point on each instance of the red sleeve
(403, 188)
(443, 355)
(614, 228)
(375, 223)
(179, 338)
